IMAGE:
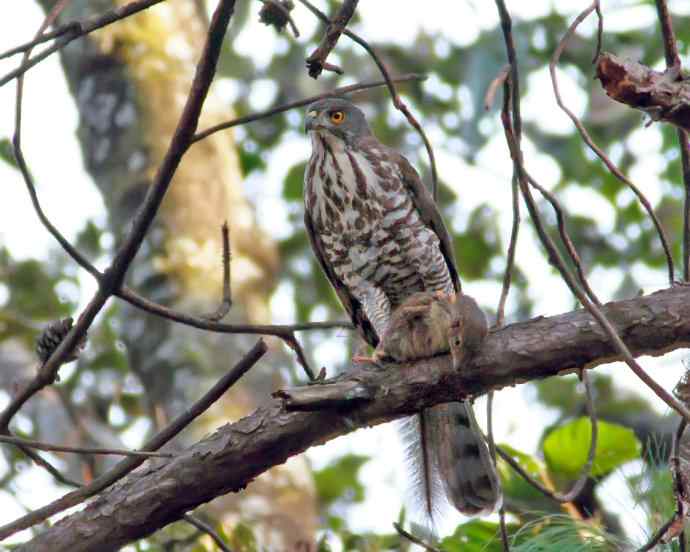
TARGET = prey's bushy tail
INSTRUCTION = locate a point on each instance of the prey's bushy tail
(450, 461)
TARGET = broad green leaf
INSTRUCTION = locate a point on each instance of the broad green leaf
(339, 480)
(566, 447)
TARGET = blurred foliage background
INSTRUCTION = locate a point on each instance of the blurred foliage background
(110, 395)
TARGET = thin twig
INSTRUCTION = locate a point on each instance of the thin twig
(577, 487)
(283, 331)
(300, 103)
(514, 232)
(596, 149)
(157, 441)
(656, 537)
(226, 303)
(18, 441)
(554, 255)
(292, 342)
(512, 85)
(512, 246)
(31, 187)
(21, 163)
(71, 31)
(498, 81)
(414, 539)
(673, 63)
(316, 62)
(677, 529)
(43, 463)
(397, 101)
(505, 541)
(565, 238)
(84, 27)
(492, 452)
(206, 528)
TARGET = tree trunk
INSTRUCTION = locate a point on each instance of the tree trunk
(129, 91)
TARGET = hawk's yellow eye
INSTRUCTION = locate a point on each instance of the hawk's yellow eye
(337, 117)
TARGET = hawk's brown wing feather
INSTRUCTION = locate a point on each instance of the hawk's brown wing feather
(428, 210)
(352, 305)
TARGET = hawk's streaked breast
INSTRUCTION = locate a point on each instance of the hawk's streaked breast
(367, 220)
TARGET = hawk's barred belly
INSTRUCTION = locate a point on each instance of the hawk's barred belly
(371, 231)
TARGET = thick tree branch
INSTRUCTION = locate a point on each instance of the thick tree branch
(163, 490)
(659, 94)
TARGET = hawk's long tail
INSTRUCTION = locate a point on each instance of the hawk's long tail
(451, 459)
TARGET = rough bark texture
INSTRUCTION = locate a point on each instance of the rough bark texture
(664, 96)
(161, 491)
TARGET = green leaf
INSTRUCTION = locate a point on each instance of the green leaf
(89, 240)
(294, 182)
(339, 480)
(512, 483)
(250, 161)
(566, 447)
(6, 152)
(476, 535)
(242, 539)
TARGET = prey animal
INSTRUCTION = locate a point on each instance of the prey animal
(428, 324)
(380, 238)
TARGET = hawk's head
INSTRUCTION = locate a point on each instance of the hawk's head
(338, 117)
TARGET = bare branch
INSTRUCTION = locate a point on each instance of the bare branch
(555, 256)
(652, 543)
(414, 539)
(512, 246)
(79, 450)
(68, 33)
(316, 62)
(233, 456)
(579, 485)
(596, 149)
(565, 238)
(300, 103)
(292, 342)
(226, 303)
(495, 84)
(43, 463)
(210, 531)
(505, 542)
(283, 331)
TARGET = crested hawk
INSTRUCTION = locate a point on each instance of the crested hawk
(379, 238)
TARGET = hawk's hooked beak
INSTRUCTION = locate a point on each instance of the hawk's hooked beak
(311, 122)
